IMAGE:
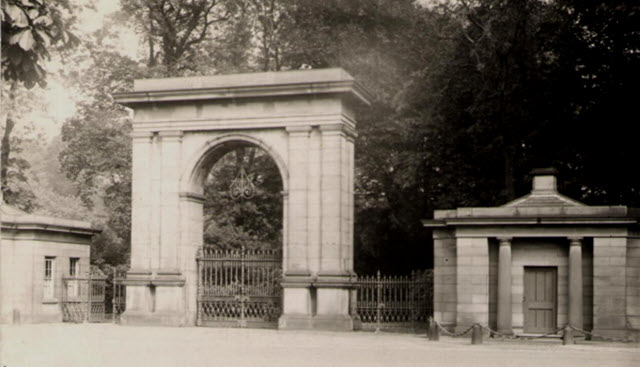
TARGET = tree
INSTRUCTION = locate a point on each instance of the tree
(254, 223)
(521, 88)
(178, 27)
(30, 28)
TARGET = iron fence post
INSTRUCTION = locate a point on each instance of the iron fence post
(199, 288)
(243, 322)
(412, 302)
(87, 316)
(379, 304)
(113, 293)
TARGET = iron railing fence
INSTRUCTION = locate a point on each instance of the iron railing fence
(239, 288)
(393, 302)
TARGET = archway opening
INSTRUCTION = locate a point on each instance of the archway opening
(240, 264)
(243, 201)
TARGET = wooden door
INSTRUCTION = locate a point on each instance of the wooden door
(540, 290)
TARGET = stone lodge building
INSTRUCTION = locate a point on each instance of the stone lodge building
(538, 263)
(36, 253)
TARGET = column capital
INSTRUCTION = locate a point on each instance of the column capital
(338, 129)
(141, 136)
(301, 130)
(505, 240)
(575, 240)
(171, 135)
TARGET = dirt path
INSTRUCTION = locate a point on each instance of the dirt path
(111, 345)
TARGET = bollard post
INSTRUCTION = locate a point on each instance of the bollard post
(567, 335)
(476, 334)
(434, 332)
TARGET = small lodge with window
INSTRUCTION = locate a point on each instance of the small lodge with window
(36, 253)
(537, 264)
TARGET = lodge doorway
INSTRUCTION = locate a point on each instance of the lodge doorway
(540, 299)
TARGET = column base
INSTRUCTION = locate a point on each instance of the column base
(333, 322)
(295, 322)
(622, 334)
(318, 322)
(144, 318)
(505, 331)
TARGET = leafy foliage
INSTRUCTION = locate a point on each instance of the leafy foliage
(29, 29)
(469, 97)
(178, 27)
(254, 223)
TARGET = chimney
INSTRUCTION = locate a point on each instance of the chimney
(544, 180)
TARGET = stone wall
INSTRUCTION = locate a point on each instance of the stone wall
(22, 277)
(444, 277)
(472, 282)
(633, 282)
(609, 278)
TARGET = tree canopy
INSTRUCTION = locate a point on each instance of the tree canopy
(469, 96)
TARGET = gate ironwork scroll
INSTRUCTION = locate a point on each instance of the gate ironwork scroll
(395, 302)
(83, 297)
(239, 288)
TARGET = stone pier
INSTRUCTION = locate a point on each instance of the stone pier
(306, 122)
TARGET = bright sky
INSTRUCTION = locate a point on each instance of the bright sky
(59, 103)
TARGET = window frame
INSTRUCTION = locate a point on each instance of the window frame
(74, 266)
(49, 278)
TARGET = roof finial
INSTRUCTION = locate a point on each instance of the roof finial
(544, 179)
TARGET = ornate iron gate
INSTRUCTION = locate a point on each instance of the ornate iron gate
(119, 295)
(239, 288)
(83, 298)
(395, 302)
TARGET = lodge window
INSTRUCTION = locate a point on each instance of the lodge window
(49, 276)
(72, 284)
(74, 263)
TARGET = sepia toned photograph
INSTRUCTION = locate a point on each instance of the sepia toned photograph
(319, 183)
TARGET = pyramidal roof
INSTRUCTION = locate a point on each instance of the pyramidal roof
(12, 217)
(545, 192)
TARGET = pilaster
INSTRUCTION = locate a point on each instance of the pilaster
(331, 204)
(171, 142)
(297, 261)
(140, 199)
(609, 286)
(473, 281)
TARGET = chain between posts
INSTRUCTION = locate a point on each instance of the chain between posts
(455, 334)
(600, 336)
(555, 332)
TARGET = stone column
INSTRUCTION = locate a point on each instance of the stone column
(333, 278)
(575, 282)
(169, 278)
(297, 278)
(504, 287)
(139, 298)
(331, 189)
(297, 262)
(170, 203)
(140, 199)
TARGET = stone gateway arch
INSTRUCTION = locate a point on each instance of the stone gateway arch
(305, 121)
